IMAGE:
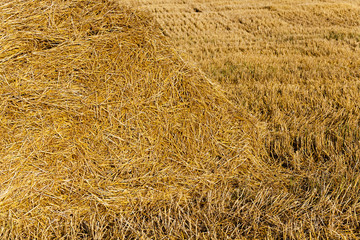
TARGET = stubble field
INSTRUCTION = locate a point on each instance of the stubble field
(179, 119)
(294, 66)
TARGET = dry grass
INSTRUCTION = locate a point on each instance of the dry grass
(107, 133)
(295, 66)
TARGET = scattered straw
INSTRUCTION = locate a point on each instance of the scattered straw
(102, 123)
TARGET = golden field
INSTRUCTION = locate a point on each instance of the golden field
(295, 66)
(179, 119)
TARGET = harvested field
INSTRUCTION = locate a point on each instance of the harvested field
(249, 129)
(295, 66)
(106, 133)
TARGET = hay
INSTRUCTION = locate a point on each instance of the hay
(100, 118)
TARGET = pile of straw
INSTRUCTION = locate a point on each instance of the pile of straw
(104, 128)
